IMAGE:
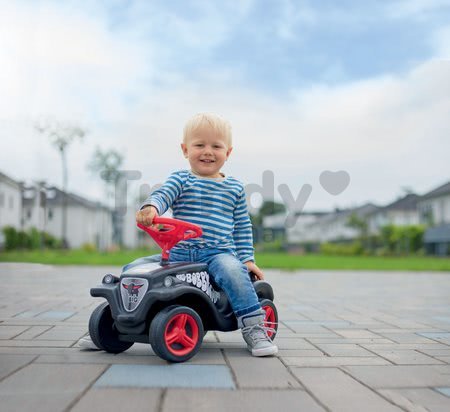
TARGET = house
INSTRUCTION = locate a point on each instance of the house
(10, 202)
(87, 221)
(402, 212)
(330, 227)
(434, 211)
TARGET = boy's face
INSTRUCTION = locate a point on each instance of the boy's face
(206, 151)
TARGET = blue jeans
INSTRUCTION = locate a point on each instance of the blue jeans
(226, 269)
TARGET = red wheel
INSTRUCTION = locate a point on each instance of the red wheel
(176, 333)
(181, 334)
(270, 318)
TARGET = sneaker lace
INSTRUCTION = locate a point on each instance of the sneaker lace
(260, 332)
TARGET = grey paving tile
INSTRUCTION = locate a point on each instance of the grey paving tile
(167, 376)
(340, 392)
(119, 400)
(444, 391)
(407, 357)
(357, 333)
(8, 332)
(417, 399)
(37, 343)
(39, 387)
(63, 333)
(399, 376)
(251, 372)
(243, 400)
(9, 363)
(327, 361)
(344, 349)
(53, 314)
(32, 332)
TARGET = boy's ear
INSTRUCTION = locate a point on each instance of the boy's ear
(184, 150)
(229, 151)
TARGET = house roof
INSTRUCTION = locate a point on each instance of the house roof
(9, 180)
(55, 198)
(408, 202)
(439, 191)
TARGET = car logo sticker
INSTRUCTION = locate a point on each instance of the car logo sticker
(132, 291)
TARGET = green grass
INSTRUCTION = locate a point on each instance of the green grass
(264, 260)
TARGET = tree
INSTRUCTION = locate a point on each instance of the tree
(108, 164)
(61, 135)
(360, 225)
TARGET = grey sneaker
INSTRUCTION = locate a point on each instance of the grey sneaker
(86, 343)
(255, 334)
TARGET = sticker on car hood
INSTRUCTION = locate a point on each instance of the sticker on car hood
(132, 291)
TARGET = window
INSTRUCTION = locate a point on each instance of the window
(28, 213)
(50, 214)
(2, 199)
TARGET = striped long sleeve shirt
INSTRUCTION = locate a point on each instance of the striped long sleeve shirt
(218, 206)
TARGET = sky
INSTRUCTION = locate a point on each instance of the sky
(309, 87)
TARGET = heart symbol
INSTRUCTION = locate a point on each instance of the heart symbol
(334, 182)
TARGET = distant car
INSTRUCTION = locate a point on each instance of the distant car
(169, 305)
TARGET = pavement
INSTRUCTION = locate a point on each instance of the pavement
(348, 341)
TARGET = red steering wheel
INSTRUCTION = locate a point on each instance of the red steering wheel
(168, 232)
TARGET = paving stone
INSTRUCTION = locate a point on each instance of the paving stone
(357, 341)
(39, 387)
(292, 343)
(167, 376)
(417, 399)
(340, 392)
(407, 357)
(34, 342)
(10, 363)
(264, 372)
(243, 400)
(399, 376)
(32, 332)
(350, 350)
(439, 336)
(119, 400)
(9, 332)
(52, 314)
(327, 361)
(357, 333)
(63, 333)
(444, 391)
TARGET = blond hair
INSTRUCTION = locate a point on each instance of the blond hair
(217, 123)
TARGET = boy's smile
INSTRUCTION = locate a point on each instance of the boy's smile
(206, 151)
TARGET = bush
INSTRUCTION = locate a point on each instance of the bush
(342, 249)
(89, 247)
(33, 239)
(11, 239)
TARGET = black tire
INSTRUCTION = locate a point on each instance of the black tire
(186, 331)
(102, 331)
(271, 317)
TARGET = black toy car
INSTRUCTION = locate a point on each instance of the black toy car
(169, 305)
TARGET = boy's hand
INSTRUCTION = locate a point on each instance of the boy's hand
(146, 215)
(251, 266)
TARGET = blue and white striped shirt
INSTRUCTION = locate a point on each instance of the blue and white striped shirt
(217, 206)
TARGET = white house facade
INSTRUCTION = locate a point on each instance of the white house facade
(87, 221)
(10, 202)
(434, 211)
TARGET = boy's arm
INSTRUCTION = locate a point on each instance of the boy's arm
(242, 234)
(163, 198)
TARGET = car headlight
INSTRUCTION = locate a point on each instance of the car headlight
(168, 281)
(109, 278)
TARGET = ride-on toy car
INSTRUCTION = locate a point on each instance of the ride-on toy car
(169, 305)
